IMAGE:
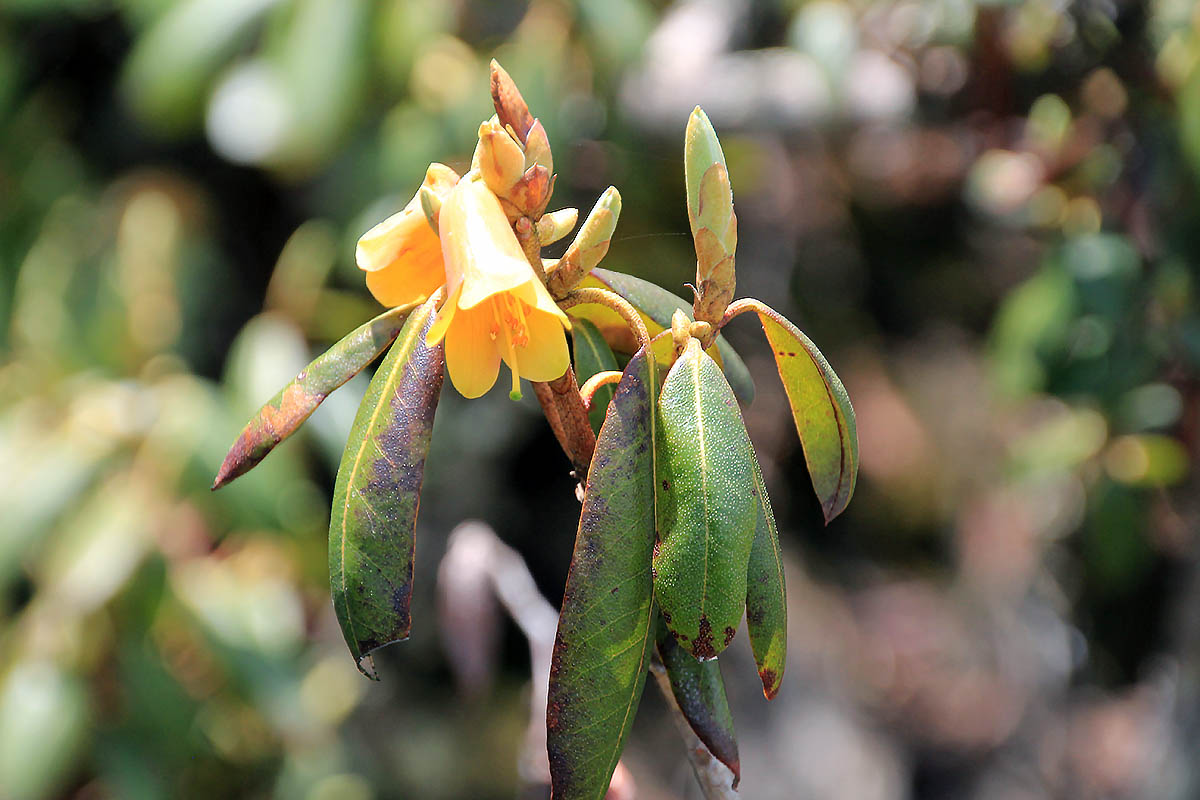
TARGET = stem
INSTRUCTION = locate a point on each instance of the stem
(595, 382)
(531, 245)
(574, 431)
(715, 779)
(614, 301)
(742, 306)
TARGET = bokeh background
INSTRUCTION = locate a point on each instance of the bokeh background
(985, 214)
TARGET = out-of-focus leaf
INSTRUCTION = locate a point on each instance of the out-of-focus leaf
(286, 411)
(766, 595)
(606, 628)
(656, 306)
(167, 74)
(706, 505)
(821, 410)
(593, 355)
(43, 723)
(99, 547)
(378, 491)
(700, 693)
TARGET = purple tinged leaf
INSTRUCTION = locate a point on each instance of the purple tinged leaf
(283, 414)
(375, 500)
(700, 693)
(606, 628)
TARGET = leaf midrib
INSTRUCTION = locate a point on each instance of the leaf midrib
(350, 479)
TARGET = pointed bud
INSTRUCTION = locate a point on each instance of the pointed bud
(498, 158)
(557, 224)
(537, 147)
(590, 245)
(710, 212)
(510, 106)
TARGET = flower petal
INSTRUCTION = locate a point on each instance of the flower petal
(413, 275)
(471, 355)
(479, 247)
(443, 319)
(546, 357)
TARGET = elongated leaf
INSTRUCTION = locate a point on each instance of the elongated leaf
(606, 628)
(377, 493)
(766, 596)
(706, 505)
(700, 693)
(593, 355)
(283, 414)
(821, 410)
(656, 305)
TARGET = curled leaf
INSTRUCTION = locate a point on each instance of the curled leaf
(377, 493)
(606, 629)
(700, 693)
(285, 412)
(821, 410)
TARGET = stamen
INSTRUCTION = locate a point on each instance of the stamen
(509, 351)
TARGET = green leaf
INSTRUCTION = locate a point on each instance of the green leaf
(700, 693)
(706, 505)
(656, 306)
(766, 595)
(821, 410)
(606, 628)
(593, 355)
(377, 493)
(284, 413)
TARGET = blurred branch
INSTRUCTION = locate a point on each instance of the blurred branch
(475, 557)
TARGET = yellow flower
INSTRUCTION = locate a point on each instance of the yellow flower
(402, 255)
(496, 307)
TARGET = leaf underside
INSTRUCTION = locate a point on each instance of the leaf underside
(706, 505)
(656, 306)
(593, 355)
(377, 494)
(283, 414)
(700, 693)
(606, 627)
(821, 410)
(766, 595)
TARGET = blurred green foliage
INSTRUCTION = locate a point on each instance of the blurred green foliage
(985, 213)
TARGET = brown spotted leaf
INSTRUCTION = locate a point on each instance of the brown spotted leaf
(766, 596)
(283, 414)
(377, 493)
(821, 410)
(706, 505)
(700, 693)
(606, 628)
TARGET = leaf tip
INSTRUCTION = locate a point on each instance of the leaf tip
(771, 681)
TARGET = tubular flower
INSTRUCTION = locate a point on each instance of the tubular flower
(402, 255)
(496, 307)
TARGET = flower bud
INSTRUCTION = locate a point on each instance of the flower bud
(557, 224)
(713, 222)
(537, 148)
(498, 157)
(590, 245)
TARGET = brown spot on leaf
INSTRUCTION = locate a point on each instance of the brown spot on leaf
(770, 682)
(702, 645)
(729, 634)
